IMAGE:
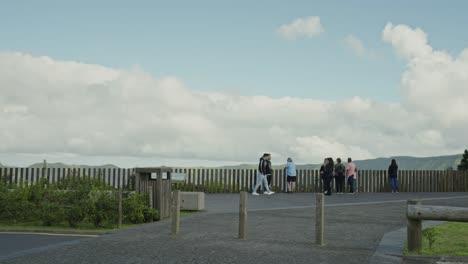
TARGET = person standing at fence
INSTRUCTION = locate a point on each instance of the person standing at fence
(264, 168)
(328, 176)
(291, 175)
(393, 176)
(339, 176)
(322, 171)
(351, 172)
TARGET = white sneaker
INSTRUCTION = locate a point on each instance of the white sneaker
(254, 193)
(270, 193)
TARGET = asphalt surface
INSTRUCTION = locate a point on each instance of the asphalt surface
(280, 230)
(14, 244)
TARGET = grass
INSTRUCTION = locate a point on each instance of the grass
(451, 241)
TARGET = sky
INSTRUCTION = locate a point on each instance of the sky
(207, 83)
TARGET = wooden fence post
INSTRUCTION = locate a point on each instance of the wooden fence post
(414, 230)
(175, 212)
(319, 218)
(151, 197)
(119, 224)
(243, 215)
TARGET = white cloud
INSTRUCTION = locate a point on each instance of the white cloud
(355, 44)
(409, 43)
(50, 106)
(306, 27)
(434, 84)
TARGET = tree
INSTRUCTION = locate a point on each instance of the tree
(464, 162)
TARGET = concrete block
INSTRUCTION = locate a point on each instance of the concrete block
(193, 201)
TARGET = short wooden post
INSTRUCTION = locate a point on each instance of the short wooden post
(243, 215)
(119, 224)
(319, 218)
(151, 198)
(175, 212)
(414, 231)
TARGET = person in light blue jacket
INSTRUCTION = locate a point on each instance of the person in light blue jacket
(291, 175)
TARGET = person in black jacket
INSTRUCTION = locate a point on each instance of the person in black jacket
(392, 176)
(328, 176)
(264, 169)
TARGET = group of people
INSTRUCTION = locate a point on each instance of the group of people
(328, 172)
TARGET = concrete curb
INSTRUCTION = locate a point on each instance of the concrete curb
(64, 232)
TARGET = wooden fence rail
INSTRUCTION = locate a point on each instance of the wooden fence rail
(236, 180)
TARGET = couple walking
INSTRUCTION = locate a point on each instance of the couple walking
(264, 174)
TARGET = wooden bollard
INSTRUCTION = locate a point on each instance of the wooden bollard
(414, 230)
(243, 215)
(175, 212)
(319, 218)
(119, 224)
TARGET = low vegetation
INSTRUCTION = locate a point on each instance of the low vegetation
(450, 239)
(74, 202)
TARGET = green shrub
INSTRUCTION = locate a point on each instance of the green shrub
(51, 213)
(136, 209)
(103, 206)
(15, 204)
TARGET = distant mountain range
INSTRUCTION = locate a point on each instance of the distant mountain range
(404, 163)
(63, 165)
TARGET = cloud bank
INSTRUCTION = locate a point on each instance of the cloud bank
(53, 106)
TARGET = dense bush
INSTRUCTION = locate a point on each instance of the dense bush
(136, 209)
(74, 201)
(14, 203)
(103, 206)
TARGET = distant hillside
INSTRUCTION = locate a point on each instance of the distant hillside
(413, 163)
(62, 165)
(404, 163)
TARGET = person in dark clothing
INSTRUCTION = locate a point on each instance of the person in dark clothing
(328, 176)
(322, 171)
(264, 169)
(340, 170)
(392, 176)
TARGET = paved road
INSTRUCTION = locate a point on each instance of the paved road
(280, 230)
(13, 244)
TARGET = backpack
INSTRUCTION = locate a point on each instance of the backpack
(340, 169)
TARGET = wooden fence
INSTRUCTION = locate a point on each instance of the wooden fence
(235, 180)
(119, 178)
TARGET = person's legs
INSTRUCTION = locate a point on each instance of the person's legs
(265, 183)
(327, 183)
(260, 178)
(337, 184)
(268, 178)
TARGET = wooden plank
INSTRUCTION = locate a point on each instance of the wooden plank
(109, 176)
(11, 177)
(318, 182)
(114, 175)
(224, 176)
(198, 180)
(439, 213)
(15, 176)
(238, 181)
